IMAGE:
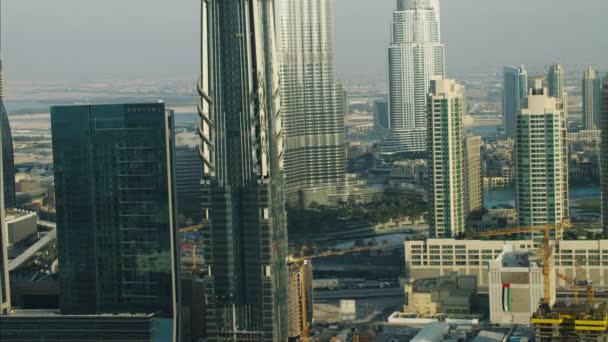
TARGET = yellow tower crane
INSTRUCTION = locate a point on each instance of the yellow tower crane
(546, 249)
(300, 261)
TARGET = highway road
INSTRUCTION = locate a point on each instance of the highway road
(332, 296)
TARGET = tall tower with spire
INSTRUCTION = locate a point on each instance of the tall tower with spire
(8, 160)
(245, 242)
(416, 55)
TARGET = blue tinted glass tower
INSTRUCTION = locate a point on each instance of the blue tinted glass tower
(242, 152)
(116, 228)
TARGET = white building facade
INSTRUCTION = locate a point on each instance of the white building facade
(312, 101)
(416, 55)
(541, 160)
(446, 158)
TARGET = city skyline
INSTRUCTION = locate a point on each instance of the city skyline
(299, 195)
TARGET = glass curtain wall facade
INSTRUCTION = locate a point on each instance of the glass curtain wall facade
(604, 154)
(245, 243)
(116, 230)
(8, 159)
(515, 87)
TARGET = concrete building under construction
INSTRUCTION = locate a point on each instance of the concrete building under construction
(299, 276)
(516, 287)
(571, 323)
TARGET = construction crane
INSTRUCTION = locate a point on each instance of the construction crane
(546, 248)
(192, 228)
(300, 261)
(191, 248)
(570, 281)
(587, 282)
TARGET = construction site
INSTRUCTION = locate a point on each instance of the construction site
(552, 320)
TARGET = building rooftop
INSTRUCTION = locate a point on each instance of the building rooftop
(57, 313)
(12, 214)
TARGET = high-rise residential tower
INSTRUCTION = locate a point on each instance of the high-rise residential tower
(591, 99)
(515, 87)
(116, 233)
(415, 56)
(557, 87)
(541, 173)
(473, 178)
(446, 163)
(604, 154)
(242, 150)
(313, 115)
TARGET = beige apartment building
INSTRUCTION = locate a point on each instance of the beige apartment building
(438, 257)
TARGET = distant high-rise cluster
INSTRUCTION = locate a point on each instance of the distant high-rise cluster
(241, 133)
(446, 109)
(591, 99)
(541, 163)
(415, 56)
(515, 87)
(313, 110)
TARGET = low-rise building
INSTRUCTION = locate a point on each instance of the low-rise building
(20, 225)
(516, 287)
(451, 295)
(438, 257)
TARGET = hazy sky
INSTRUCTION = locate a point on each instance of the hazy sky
(158, 39)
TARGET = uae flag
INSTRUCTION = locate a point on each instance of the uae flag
(506, 297)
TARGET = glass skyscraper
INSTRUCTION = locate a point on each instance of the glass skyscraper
(515, 87)
(315, 146)
(245, 242)
(604, 154)
(116, 231)
(591, 99)
(8, 174)
(188, 175)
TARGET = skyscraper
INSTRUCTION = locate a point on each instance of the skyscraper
(515, 87)
(415, 56)
(473, 178)
(542, 177)
(381, 115)
(557, 87)
(10, 200)
(555, 79)
(242, 150)
(5, 295)
(591, 99)
(446, 165)
(604, 154)
(116, 232)
(7, 187)
(313, 115)
(188, 175)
